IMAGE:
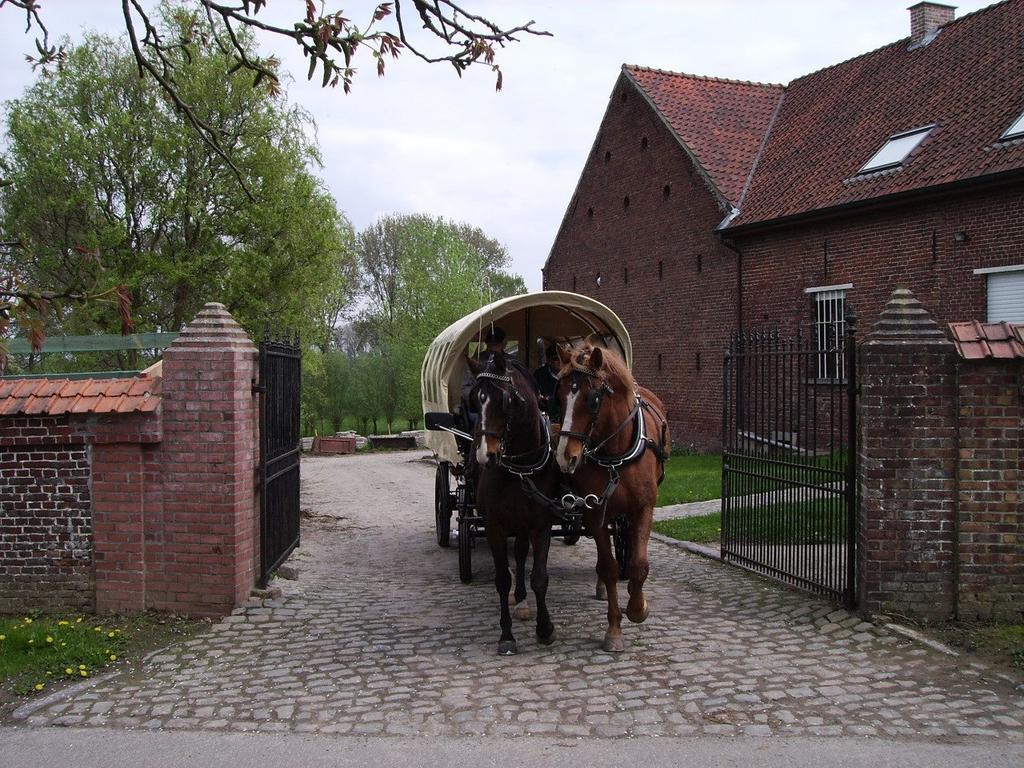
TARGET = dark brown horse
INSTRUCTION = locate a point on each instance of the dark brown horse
(613, 441)
(513, 450)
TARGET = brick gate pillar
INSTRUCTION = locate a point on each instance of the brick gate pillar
(201, 556)
(907, 464)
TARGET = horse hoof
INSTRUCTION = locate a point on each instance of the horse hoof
(601, 593)
(614, 644)
(521, 611)
(507, 648)
(638, 617)
(547, 640)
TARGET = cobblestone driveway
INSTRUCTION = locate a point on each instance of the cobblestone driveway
(378, 636)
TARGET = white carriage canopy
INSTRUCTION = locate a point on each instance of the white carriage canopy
(531, 321)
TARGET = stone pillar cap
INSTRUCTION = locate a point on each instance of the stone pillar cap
(213, 328)
(904, 318)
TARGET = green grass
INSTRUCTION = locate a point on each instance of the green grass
(691, 477)
(809, 522)
(1000, 643)
(38, 653)
(703, 529)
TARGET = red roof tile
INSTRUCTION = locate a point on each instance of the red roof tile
(59, 396)
(722, 122)
(968, 82)
(981, 341)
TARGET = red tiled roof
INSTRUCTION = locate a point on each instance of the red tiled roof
(980, 341)
(52, 397)
(968, 81)
(722, 122)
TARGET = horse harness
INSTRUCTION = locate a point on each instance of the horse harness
(638, 446)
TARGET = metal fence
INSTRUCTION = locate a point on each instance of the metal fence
(789, 496)
(280, 388)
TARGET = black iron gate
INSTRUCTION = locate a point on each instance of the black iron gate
(789, 495)
(279, 387)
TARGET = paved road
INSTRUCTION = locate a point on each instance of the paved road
(379, 637)
(103, 747)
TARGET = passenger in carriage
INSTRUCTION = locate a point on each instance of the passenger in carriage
(546, 380)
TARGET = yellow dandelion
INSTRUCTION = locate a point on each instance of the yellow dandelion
(113, 657)
(30, 641)
(68, 671)
(3, 637)
(81, 666)
(78, 620)
(49, 639)
(39, 686)
(97, 629)
(111, 634)
(63, 623)
(28, 620)
(49, 674)
(63, 644)
(83, 673)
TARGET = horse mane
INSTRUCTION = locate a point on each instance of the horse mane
(615, 370)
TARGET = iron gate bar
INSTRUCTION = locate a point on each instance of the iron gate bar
(789, 496)
(280, 390)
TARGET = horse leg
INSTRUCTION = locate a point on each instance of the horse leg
(521, 610)
(640, 567)
(502, 582)
(608, 570)
(541, 538)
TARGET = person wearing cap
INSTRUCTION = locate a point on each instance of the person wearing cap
(546, 380)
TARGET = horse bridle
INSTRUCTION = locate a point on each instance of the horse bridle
(505, 460)
(595, 399)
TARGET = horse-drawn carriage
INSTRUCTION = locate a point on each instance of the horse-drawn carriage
(519, 477)
(531, 323)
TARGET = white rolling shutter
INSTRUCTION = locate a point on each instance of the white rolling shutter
(1006, 296)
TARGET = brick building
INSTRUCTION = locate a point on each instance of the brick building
(709, 205)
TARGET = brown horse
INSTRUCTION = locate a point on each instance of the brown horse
(613, 441)
(512, 443)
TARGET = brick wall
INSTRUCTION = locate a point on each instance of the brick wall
(991, 487)
(129, 511)
(912, 245)
(45, 519)
(663, 270)
(940, 474)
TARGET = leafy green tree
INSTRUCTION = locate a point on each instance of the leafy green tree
(104, 182)
(420, 275)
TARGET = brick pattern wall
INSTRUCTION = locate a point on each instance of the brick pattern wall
(46, 547)
(907, 467)
(663, 271)
(991, 484)
(913, 245)
(941, 467)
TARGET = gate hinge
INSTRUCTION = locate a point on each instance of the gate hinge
(258, 388)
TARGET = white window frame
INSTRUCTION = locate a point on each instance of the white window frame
(870, 167)
(986, 271)
(1015, 131)
(830, 330)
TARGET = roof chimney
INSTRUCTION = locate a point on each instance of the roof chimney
(926, 18)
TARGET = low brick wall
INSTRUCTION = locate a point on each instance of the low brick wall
(941, 465)
(46, 541)
(127, 511)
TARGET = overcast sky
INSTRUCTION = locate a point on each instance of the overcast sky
(421, 140)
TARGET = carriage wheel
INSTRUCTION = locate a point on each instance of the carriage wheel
(465, 550)
(620, 539)
(570, 539)
(443, 504)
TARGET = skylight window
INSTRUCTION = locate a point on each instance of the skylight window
(1016, 130)
(895, 150)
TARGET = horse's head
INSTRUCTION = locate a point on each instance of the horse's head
(587, 376)
(503, 399)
